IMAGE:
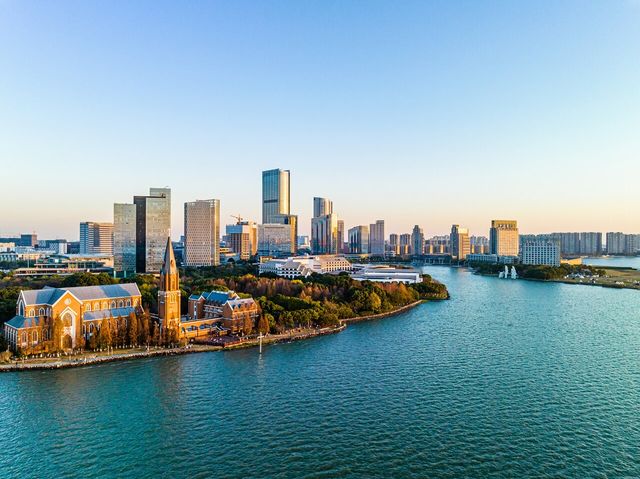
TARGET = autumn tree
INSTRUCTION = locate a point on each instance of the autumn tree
(132, 330)
(263, 323)
(105, 339)
(57, 331)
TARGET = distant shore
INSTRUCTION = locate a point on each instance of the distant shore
(93, 358)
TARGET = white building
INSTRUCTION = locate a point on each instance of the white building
(541, 253)
(304, 266)
(387, 274)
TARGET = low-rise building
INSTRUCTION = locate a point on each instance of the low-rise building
(81, 310)
(304, 266)
(218, 311)
(387, 274)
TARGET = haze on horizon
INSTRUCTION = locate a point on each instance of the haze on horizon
(414, 112)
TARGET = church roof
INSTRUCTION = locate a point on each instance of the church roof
(115, 312)
(19, 322)
(84, 293)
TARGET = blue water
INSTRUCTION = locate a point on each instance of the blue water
(620, 261)
(508, 379)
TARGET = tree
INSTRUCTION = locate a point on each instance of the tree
(104, 335)
(263, 323)
(247, 325)
(132, 330)
(57, 331)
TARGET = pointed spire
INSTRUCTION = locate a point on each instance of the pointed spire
(169, 268)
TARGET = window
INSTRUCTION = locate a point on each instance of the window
(24, 337)
(120, 304)
(20, 309)
(88, 307)
(41, 312)
(128, 302)
(35, 337)
(96, 306)
(91, 328)
(104, 305)
(32, 313)
(113, 305)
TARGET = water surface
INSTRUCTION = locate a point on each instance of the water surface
(508, 379)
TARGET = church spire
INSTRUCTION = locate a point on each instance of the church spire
(169, 272)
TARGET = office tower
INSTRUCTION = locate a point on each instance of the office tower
(405, 244)
(322, 207)
(324, 234)
(242, 239)
(591, 243)
(479, 244)
(541, 252)
(359, 240)
(460, 243)
(30, 240)
(417, 241)
(275, 240)
(96, 238)
(376, 238)
(124, 238)
(292, 222)
(341, 243)
(394, 244)
(202, 233)
(276, 198)
(504, 238)
(153, 227)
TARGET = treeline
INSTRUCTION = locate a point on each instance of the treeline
(541, 272)
(320, 300)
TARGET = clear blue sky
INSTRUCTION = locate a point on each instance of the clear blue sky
(413, 112)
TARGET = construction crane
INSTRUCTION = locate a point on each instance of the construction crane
(237, 217)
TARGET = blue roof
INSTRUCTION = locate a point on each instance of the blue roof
(22, 322)
(115, 312)
(220, 297)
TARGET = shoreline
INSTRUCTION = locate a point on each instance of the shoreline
(568, 281)
(41, 364)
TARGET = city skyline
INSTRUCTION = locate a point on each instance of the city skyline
(485, 111)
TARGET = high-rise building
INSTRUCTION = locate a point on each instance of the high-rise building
(274, 240)
(96, 238)
(242, 239)
(417, 241)
(322, 207)
(276, 199)
(153, 227)
(324, 234)
(359, 240)
(124, 238)
(341, 244)
(479, 244)
(394, 244)
(540, 252)
(504, 238)
(202, 233)
(405, 244)
(376, 238)
(292, 222)
(591, 243)
(460, 242)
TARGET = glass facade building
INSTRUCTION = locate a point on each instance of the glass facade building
(276, 198)
(153, 227)
(202, 233)
(124, 238)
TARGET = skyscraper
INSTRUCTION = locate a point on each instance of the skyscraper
(124, 238)
(504, 238)
(417, 241)
(96, 238)
(359, 240)
(292, 222)
(276, 199)
(376, 238)
(460, 243)
(341, 248)
(202, 233)
(324, 234)
(242, 238)
(153, 227)
(322, 206)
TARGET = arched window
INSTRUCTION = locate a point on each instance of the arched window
(88, 306)
(25, 337)
(67, 320)
(32, 313)
(96, 306)
(20, 309)
(113, 305)
(91, 328)
(35, 337)
(128, 302)
(104, 305)
(120, 304)
(41, 312)
(135, 302)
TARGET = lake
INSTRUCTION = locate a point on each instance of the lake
(507, 379)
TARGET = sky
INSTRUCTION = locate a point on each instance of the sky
(415, 112)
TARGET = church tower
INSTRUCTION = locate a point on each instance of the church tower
(169, 292)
